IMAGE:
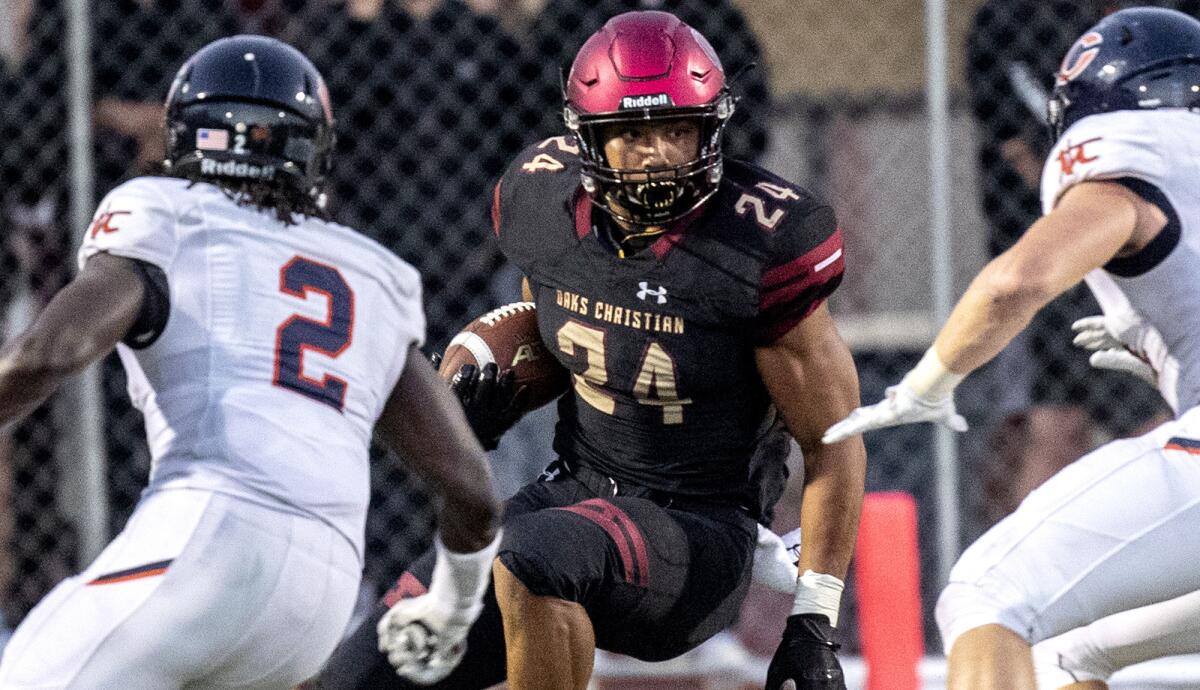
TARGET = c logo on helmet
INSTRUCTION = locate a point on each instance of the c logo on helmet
(1089, 42)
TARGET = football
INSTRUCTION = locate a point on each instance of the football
(509, 337)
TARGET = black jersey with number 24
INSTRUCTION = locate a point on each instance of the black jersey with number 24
(661, 343)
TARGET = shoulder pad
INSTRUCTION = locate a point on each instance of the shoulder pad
(535, 201)
(137, 221)
(553, 155)
(1102, 147)
(803, 262)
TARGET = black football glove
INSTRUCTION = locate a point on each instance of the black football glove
(491, 401)
(807, 656)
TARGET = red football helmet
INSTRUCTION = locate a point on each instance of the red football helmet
(647, 66)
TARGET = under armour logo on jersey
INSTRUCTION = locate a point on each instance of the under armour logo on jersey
(659, 293)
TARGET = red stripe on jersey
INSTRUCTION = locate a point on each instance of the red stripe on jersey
(583, 214)
(1187, 445)
(791, 291)
(785, 273)
(674, 234)
(496, 208)
(126, 578)
(148, 570)
(663, 245)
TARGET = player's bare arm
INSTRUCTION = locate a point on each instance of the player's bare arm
(423, 636)
(1094, 222)
(812, 357)
(426, 425)
(83, 322)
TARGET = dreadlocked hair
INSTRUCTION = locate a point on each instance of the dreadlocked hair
(285, 200)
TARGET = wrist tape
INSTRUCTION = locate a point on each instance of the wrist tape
(818, 593)
(931, 380)
(462, 578)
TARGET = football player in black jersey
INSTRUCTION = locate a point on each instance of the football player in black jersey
(685, 292)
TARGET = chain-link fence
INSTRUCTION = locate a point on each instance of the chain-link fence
(432, 97)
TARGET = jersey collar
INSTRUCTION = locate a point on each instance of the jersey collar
(585, 222)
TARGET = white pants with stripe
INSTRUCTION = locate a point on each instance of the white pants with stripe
(200, 590)
(1116, 530)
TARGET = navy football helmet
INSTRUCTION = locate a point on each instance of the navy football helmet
(1141, 58)
(250, 109)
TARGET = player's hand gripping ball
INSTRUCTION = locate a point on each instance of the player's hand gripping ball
(508, 337)
(499, 369)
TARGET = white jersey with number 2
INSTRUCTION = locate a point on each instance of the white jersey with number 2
(282, 346)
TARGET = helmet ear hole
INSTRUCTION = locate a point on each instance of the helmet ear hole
(714, 174)
(571, 118)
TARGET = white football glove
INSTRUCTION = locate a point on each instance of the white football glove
(899, 406)
(425, 637)
(1109, 351)
(775, 560)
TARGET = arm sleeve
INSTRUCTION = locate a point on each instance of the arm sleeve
(136, 221)
(156, 307)
(805, 266)
(408, 296)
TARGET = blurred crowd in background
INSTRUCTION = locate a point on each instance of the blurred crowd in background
(432, 97)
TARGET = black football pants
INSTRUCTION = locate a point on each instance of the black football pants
(656, 577)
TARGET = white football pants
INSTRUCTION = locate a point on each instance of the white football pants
(200, 590)
(1097, 651)
(1113, 531)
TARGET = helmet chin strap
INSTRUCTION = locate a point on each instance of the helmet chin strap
(629, 232)
(634, 236)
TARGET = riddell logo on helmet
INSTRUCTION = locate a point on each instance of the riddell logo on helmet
(209, 166)
(647, 101)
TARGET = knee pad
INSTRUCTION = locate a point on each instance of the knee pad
(547, 552)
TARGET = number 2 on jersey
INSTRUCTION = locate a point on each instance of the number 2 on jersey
(297, 334)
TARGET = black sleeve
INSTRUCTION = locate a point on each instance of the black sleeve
(536, 202)
(156, 307)
(1158, 248)
(804, 267)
